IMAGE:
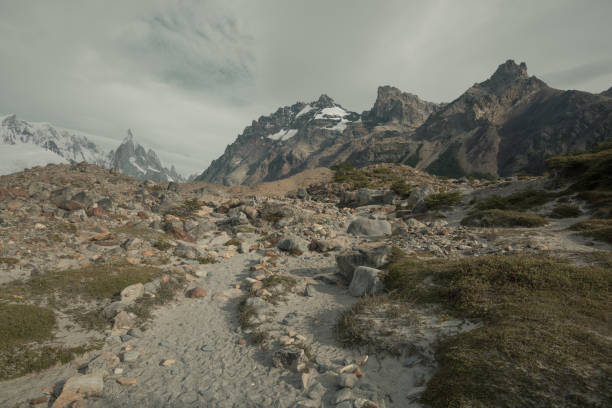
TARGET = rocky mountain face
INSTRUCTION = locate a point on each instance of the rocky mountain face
(281, 144)
(26, 144)
(506, 125)
(133, 160)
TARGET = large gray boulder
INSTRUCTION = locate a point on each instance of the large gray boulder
(292, 243)
(366, 281)
(374, 257)
(365, 227)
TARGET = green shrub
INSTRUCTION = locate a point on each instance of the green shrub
(565, 211)
(501, 218)
(442, 201)
(599, 229)
(519, 201)
(186, 209)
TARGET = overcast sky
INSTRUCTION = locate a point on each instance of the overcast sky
(188, 76)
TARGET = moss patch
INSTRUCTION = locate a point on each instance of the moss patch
(563, 210)
(546, 339)
(95, 282)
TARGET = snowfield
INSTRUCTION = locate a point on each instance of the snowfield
(15, 158)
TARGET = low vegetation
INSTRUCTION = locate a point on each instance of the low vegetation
(519, 201)
(502, 218)
(95, 282)
(390, 176)
(599, 229)
(562, 210)
(546, 334)
(187, 209)
(9, 261)
(443, 201)
(590, 174)
(25, 331)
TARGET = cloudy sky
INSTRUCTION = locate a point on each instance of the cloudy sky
(187, 76)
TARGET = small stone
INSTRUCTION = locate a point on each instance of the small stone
(132, 292)
(118, 371)
(316, 391)
(347, 380)
(305, 379)
(130, 356)
(168, 362)
(358, 373)
(85, 385)
(197, 293)
(102, 363)
(362, 360)
(242, 342)
(344, 394)
(208, 348)
(41, 400)
(127, 381)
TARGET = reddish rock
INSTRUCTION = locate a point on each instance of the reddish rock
(197, 293)
(127, 381)
(180, 234)
(70, 205)
(142, 215)
(41, 400)
(96, 212)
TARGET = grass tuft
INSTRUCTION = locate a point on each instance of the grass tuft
(599, 229)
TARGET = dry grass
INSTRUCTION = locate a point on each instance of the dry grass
(443, 201)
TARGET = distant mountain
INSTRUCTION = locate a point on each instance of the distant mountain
(507, 124)
(133, 160)
(26, 144)
(277, 145)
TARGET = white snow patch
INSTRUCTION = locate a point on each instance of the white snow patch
(133, 162)
(340, 126)
(304, 110)
(334, 112)
(14, 158)
(283, 134)
(152, 169)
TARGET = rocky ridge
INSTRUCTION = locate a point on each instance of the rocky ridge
(505, 125)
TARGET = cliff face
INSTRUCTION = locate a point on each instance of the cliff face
(504, 125)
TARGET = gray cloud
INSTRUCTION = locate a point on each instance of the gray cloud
(187, 76)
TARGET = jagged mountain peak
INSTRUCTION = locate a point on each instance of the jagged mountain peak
(510, 75)
(607, 93)
(134, 160)
(394, 106)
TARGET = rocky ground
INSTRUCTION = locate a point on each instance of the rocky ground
(261, 278)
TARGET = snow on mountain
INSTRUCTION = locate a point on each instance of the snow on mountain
(26, 144)
(14, 158)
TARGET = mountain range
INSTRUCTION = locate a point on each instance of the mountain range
(505, 125)
(26, 144)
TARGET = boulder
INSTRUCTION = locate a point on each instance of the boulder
(184, 250)
(366, 282)
(102, 364)
(89, 385)
(197, 293)
(289, 357)
(292, 243)
(132, 292)
(374, 257)
(366, 227)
